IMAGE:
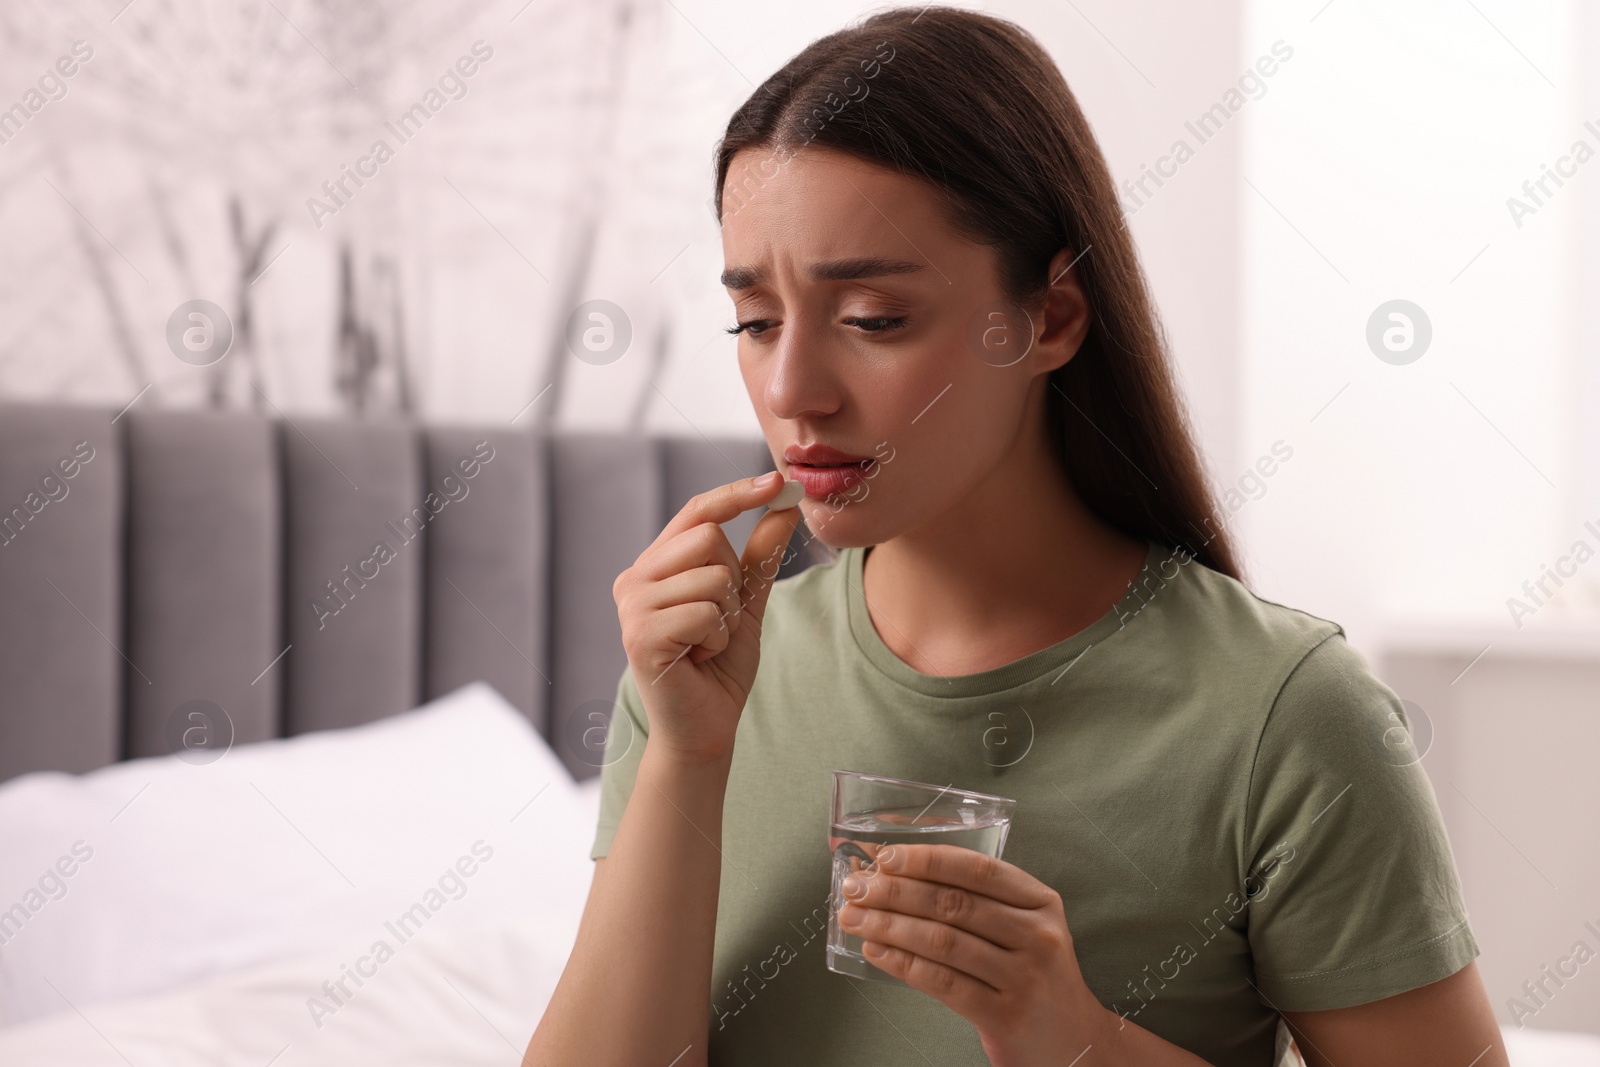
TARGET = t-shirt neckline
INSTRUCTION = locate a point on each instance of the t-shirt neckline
(1051, 661)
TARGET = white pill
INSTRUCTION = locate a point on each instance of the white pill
(790, 495)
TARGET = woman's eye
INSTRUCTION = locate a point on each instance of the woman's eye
(866, 324)
(875, 325)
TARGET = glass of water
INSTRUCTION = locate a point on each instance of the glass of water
(871, 811)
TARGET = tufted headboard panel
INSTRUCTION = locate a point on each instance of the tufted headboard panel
(305, 574)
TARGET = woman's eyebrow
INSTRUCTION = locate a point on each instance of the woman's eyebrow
(834, 270)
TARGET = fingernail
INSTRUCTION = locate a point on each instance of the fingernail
(852, 886)
(885, 856)
(768, 480)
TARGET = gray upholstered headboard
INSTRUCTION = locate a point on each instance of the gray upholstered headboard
(157, 558)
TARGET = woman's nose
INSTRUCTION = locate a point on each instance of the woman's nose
(801, 379)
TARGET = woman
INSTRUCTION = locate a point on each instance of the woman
(946, 337)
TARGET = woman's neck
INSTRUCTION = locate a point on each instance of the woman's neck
(1017, 566)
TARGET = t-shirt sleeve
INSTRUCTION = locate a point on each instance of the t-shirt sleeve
(625, 737)
(1353, 887)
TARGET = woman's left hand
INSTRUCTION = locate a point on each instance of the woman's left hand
(985, 938)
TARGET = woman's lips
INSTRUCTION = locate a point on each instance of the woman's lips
(822, 482)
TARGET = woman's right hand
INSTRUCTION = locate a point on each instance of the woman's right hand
(691, 611)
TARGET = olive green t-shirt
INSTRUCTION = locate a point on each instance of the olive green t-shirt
(1220, 789)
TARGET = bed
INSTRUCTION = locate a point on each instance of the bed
(271, 794)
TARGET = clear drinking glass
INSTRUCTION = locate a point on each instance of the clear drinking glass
(870, 811)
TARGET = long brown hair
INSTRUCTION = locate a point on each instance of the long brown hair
(974, 105)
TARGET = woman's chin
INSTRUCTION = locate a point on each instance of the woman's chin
(843, 528)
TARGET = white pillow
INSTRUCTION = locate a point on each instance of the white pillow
(151, 873)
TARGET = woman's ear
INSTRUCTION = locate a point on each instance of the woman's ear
(1066, 313)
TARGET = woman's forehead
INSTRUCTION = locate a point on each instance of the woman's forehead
(828, 216)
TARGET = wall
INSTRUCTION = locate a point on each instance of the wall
(1513, 755)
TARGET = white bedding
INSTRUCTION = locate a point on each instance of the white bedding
(463, 997)
(232, 914)
(467, 997)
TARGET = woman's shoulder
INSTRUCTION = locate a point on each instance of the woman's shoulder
(1278, 661)
(1305, 678)
(1217, 615)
